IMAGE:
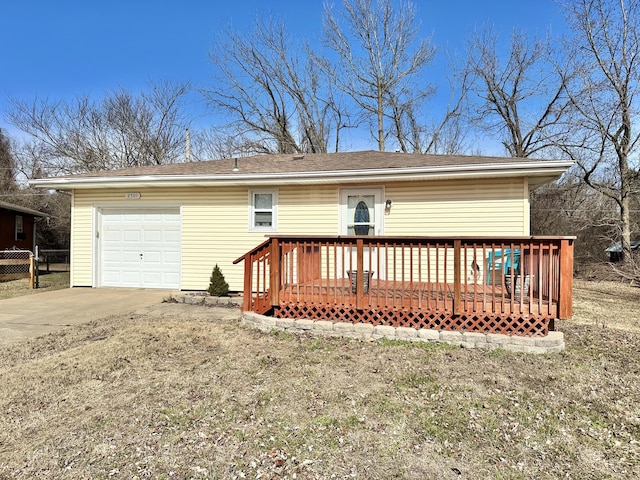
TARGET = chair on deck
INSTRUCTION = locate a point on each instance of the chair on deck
(499, 261)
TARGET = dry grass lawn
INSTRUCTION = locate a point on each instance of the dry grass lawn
(18, 288)
(186, 392)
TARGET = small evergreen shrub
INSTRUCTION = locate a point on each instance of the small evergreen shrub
(218, 287)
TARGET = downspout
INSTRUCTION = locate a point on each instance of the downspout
(33, 246)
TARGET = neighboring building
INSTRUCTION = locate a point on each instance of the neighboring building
(615, 250)
(167, 226)
(18, 227)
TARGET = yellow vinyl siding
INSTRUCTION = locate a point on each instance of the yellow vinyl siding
(215, 225)
(81, 243)
(487, 207)
(215, 220)
(308, 210)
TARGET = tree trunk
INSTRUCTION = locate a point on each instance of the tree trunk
(380, 122)
(626, 225)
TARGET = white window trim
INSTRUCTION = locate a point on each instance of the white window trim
(274, 211)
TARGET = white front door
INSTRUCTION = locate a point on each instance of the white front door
(361, 211)
(139, 248)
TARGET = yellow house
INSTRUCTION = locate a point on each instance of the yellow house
(167, 226)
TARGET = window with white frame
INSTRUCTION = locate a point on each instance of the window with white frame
(19, 228)
(263, 210)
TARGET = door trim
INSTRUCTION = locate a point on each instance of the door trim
(377, 192)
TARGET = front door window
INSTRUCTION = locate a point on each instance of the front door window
(361, 211)
(362, 216)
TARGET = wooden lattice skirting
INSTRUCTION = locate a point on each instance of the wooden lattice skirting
(506, 324)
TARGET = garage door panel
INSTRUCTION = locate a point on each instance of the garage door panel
(153, 236)
(153, 259)
(140, 249)
(131, 257)
(152, 279)
(110, 277)
(112, 256)
(153, 217)
(131, 236)
(172, 258)
(129, 219)
(171, 236)
(111, 235)
(172, 278)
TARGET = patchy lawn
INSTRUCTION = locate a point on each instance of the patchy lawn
(186, 392)
(49, 281)
(607, 304)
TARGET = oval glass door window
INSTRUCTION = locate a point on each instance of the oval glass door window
(361, 219)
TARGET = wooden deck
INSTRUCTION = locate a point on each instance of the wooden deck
(414, 282)
(475, 298)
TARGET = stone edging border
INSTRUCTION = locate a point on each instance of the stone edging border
(200, 298)
(552, 343)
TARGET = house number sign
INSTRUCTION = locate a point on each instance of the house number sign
(132, 195)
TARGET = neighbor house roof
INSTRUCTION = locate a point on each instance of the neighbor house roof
(617, 247)
(354, 167)
(18, 209)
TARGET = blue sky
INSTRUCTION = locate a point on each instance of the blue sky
(64, 48)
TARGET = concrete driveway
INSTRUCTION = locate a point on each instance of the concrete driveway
(41, 313)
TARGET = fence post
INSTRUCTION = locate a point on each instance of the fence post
(565, 300)
(32, 270)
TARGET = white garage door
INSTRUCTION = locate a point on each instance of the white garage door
(140, 248)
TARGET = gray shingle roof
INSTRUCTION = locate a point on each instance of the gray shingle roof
(301, 163)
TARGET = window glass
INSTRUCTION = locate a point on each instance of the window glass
(263, 201)
(263, 210)
(19, 228)
(360, 209)
(263, 219)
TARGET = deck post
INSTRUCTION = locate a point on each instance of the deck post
(565, 300)
(274, 272)
(248, 281)
(457, 295)
(359, 273)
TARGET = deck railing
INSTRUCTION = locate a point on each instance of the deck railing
(515, 285)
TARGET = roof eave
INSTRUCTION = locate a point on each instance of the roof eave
(545, 169)
(23, 210)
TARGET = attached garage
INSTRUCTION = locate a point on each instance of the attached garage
(138, 248)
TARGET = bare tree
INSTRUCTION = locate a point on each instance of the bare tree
(7, 165)
(446, 136)
(605, 48)
(273, 90)
(571, 207)
(121, 130)
(522, 97)
(379, 63)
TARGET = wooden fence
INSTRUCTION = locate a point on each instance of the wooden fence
(17, 264)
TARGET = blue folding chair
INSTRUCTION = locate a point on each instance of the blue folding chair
(501, 260)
